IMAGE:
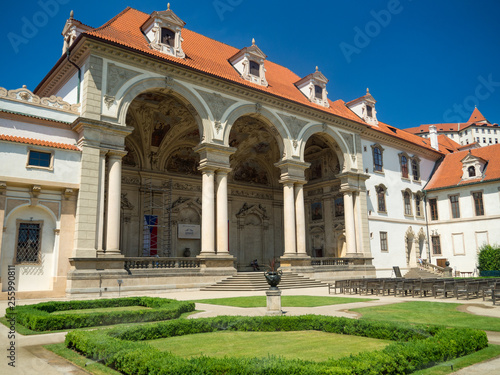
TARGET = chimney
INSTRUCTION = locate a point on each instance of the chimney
(433, 137)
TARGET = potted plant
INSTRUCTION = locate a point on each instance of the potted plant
(273, 276)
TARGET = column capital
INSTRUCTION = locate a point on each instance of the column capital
(352, 181)
(94, 132)
(292, 170)
(117, 154)
(214, 156)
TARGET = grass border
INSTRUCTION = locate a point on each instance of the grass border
(414, 347)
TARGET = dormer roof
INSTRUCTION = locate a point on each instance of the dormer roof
(364, 107)
(250, 63)
(313, 86)
(163, 30)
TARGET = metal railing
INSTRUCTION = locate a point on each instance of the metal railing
(337, 261)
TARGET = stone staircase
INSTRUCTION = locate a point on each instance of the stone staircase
(249, 281)
(419, 273)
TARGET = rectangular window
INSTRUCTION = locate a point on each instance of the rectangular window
(167, 37)
(436, 245)
(478, 203)
(434, 209)
(482, 131)
(383, 242)
(490, 140)
(28, 242)
(477, 139)
(318, 92)
(254, 69)
(455, 208)
(466, 132)
(489, 131)
(418, 205)
(484, 139)
(39, 159)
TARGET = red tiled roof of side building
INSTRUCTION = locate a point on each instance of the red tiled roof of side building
(476, 116)
(211, 57)
(447, 143)
(449, 172)
(38, 142)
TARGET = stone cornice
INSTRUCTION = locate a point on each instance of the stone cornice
(171, 68)
(25, 96)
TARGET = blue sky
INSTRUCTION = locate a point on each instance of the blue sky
(425, 61)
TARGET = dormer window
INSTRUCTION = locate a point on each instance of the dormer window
(249, 62)
(313, 87)
(318, 92)
(473, 166)
(163, 30)
(254, 68)
(364, 107)
(167, 37)
(472, 171)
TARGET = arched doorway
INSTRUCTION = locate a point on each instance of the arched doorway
(322, 198)
(159, 174)
(254, 193)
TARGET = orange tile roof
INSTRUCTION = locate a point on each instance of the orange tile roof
(403, 135)
(447, 145)
(449, 172)
(209, 56)
(38, 142)
(476, 116)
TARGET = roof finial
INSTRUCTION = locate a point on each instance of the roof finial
(367, 91)
(253, 41)
(71, 14)
(168, 6)
(316, 68)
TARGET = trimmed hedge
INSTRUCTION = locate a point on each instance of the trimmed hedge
(489, 258)
(39, 318)
(415, 347)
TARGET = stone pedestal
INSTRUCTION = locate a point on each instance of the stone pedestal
(273, 302)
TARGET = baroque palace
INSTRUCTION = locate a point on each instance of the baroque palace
(152, 157)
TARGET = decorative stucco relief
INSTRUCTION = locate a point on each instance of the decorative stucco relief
(117, 77)
(218, 106)
(26, 96)
(293, 124)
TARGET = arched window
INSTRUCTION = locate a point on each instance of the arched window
(377, 159)
(407, 202)
(472, 171)
(418, 204)
(404, 166)
(381, 198)
(415, 169)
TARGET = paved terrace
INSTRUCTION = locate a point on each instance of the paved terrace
(31, 358)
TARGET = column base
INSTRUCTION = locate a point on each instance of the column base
(110, 254)
(85, 253)
(212, 260)
(273, 302)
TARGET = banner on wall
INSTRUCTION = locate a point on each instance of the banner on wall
(150, 247)
(189, 231)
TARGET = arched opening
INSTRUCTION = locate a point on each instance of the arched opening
(159, 170)
(323, 200)
(254, 193)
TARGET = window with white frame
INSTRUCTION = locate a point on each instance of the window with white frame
(28, 242)
(415, 168)
(433, 208)
(381, 189)
(418, 204)
(403, 161)
(455, 207)
(407, 202)
(436, 245)
(378, 162)
(478, 203)
(383, 242)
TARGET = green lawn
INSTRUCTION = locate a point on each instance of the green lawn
(103, 309)
(291, 345)
(420, 312)
(286, 301)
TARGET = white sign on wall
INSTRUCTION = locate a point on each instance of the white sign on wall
(190, 231)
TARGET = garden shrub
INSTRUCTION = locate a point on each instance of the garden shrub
(414, 347)
(39, 317)
(489, 258)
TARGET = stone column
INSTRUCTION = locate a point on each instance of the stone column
(357, 222)
(350, 229)
(207, 212)
(100, 203)
(289, 218)
(114, 203)
(300, 219)
(222, 225)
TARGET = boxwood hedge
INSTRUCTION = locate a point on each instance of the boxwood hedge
(414, 347)
(39, 317)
